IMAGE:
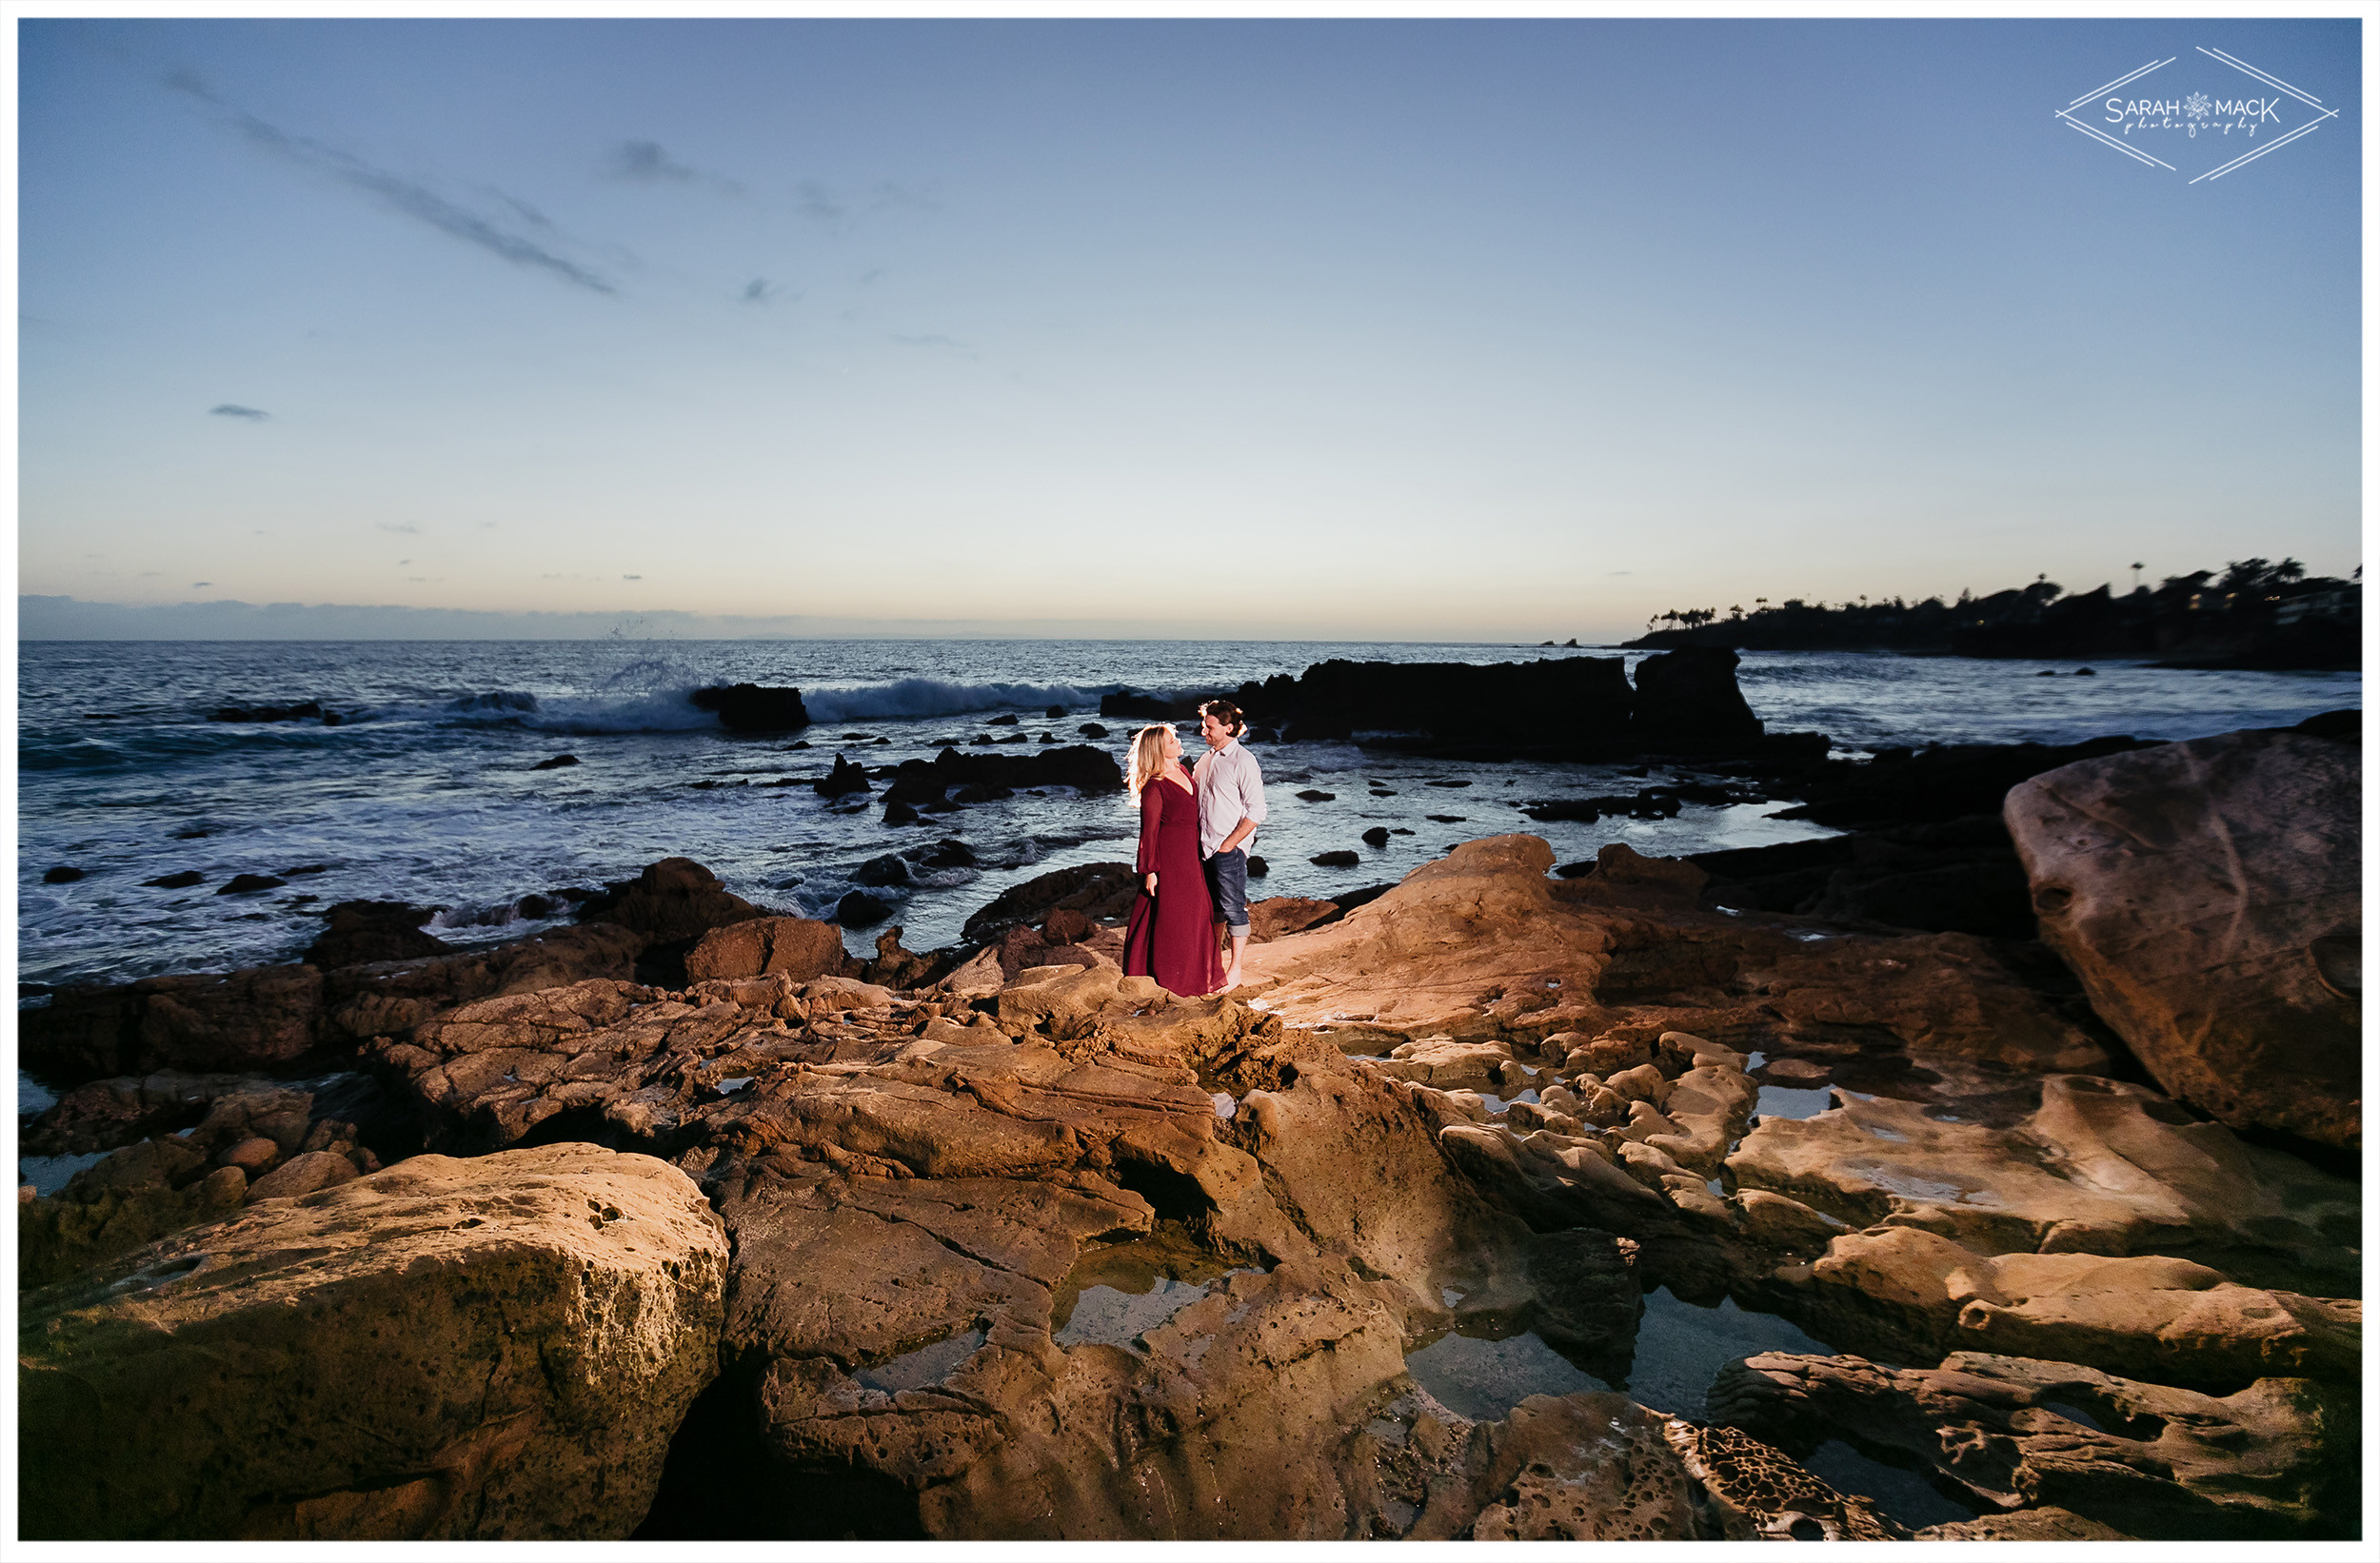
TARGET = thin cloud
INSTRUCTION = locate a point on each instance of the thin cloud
(758, 291)
(645, 160)
(195, 584)
(396, 526)
(631, 578)
(233, 409)
(394, 192)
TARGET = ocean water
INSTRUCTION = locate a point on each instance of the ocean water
(425, 793)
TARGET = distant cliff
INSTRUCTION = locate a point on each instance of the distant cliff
(2254, 615)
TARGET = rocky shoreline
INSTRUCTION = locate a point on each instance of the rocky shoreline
(683, 1222)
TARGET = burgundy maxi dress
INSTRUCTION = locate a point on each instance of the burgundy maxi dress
(1172, 937)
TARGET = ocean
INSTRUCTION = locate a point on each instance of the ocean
(425, 791)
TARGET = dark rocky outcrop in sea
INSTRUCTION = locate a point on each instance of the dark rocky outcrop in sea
(998, 1242)
(753, 708)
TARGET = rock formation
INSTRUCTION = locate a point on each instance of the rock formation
(2210, 896)
(496, 1348)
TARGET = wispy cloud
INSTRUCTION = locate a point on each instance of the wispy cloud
(759, 291)
(233, 409)
(647, 162)
(398, 193)
(396, 526)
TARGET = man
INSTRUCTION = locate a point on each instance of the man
(1231, 805)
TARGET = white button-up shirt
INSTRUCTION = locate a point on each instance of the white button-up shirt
(1231, 788)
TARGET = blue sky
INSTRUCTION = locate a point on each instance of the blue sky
(1503, 330)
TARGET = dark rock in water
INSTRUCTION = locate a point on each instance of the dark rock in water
(270, 713)
(1334, 860)
(1447, 783)
(1046, 738)
(923, 783)
(977, 792)
(1948, 781)
(302, 870)
(1145, 707)
(1958, 876)
(1377, 835)
(858, 909)
(1446, 819)
(241, 885)
(1092, 729)
(898, 812)
(2047, 673)
(1687, 701)
(889, 869)
(1257, 868)
(1316, 795)
(675, 901)
(1583, 810)
(1007, 718)
(1055, 712)
(2340, 726)
(556, 763)
(62, 875)
(1570, 704)
(192, 834)
(2086, 672)
(1098, 890)
(361, 931)
(842, 781)
(534, 906)
(948, 853)
(177, 881)
(753, 708)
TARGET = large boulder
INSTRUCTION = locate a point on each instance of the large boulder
(2210, 896)
(1566, 705)
(1688, 703)
(360, 931)
(1096, 890)
(495, 1348)
(753, 707)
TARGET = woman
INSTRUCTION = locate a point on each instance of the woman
(1171, 935)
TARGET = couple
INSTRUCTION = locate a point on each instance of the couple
(1195, 829)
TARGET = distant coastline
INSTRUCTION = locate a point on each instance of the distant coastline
(2254, 615)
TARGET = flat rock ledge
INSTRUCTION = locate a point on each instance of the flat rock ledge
(508, 1342)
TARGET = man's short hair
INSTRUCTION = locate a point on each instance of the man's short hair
(1226, 713)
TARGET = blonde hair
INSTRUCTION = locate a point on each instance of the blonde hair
(1148, 757)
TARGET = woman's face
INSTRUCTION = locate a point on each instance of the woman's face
(1170, 744)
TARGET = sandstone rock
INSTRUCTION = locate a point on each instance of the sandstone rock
(390, 998)
(2187, 886)
(493, 1349)
(263, 1014)
(252, 1156)
(802, 949)
(1578, 1467)
(1276, 916)
(2274, 1461)
(858, 909)
(302, 1174)
(2100, 1167)
(2164, 1321)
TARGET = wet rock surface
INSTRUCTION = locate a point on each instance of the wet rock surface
(1017, 1246)
(509, 1343)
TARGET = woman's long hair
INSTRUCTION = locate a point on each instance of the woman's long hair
(1148, 757)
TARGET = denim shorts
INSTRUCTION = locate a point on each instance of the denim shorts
(1227, 882)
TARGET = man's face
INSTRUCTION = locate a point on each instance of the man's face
(1215, 734)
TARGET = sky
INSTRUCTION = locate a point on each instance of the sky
(1415, 331)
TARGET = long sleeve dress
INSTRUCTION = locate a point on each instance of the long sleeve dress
(1172, 937)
